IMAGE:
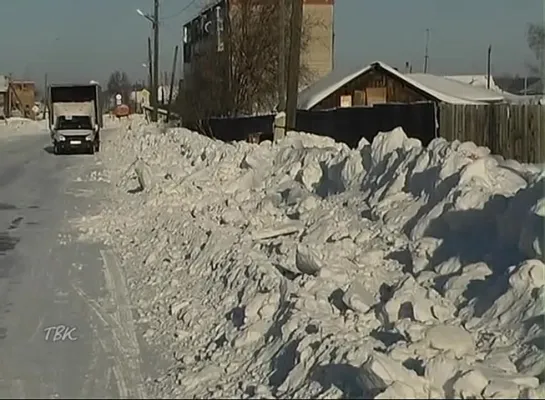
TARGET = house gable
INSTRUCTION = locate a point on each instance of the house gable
(371, 84)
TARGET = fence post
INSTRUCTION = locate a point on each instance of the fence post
(279, 126)
(492, 132)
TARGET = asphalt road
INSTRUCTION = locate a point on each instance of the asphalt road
(66, 327)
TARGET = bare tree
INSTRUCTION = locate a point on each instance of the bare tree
(243, 79)
(119, 82)
(535, 37)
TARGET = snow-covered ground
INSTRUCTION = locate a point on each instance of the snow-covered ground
(15, 126)
(310, 270)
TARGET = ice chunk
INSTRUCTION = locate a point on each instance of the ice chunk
(451, 337)
(358, 298)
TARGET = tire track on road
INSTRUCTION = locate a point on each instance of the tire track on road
(117, 335)
(117, 287)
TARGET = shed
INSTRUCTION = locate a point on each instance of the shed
(379, 83)
(4, 96)
(23, 97)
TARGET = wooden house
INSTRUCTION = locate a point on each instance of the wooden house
(378, 83)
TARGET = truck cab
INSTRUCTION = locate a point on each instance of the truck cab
(75, 117)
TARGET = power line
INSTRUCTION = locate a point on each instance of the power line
(177, 14)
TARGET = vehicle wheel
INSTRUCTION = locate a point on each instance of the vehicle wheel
(92, 149)
(56, 149)
(97, 146)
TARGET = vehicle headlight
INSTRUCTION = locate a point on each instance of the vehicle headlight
(89, 137)
(61, 138)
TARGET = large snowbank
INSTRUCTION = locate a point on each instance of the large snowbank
(309, 270)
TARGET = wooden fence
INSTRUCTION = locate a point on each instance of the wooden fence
(514, 131)
(347, 125)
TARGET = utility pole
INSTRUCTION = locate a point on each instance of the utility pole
(426, 56)
(489, 67)
(150, 66)
(282, 14)
(542, 68)
(542, 101)
(170, 93)
(296, 24)
(155, 114)
(46, 95)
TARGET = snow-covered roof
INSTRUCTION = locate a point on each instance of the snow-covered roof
(452, 89)
(477, 80)
(524, 99)
(482, 81)
(338, 77)
(534, 89)
(442, 89)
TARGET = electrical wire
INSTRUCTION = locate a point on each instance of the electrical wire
(191, 3)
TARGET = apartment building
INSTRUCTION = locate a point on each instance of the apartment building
(208, 33)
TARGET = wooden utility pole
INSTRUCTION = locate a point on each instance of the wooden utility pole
(46, 96)
(155, 88)
(489, 67)
(150, 66)
(282, 14)
(426, 54)
(45, 86)
(164, 86)
(296, 24)
(171, 89)
(542, 74)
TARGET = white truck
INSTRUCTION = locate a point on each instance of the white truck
(75, 117)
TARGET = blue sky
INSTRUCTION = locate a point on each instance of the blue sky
(76, 40)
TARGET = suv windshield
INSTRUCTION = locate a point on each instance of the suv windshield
(75, 122)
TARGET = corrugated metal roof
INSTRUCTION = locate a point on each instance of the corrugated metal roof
(442, 89)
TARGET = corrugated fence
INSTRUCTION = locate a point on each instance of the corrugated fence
(513, 131)
(346, 125)
(349, 125)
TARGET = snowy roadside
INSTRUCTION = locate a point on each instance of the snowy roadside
(309, 270)
(16, 127)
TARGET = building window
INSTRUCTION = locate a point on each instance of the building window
(187, 35)
(187, 53)
(187, 42)
(198, 29)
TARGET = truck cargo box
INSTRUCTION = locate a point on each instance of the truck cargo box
(75, 94)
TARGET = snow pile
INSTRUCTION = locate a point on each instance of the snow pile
(16, 126)
(310, 270)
